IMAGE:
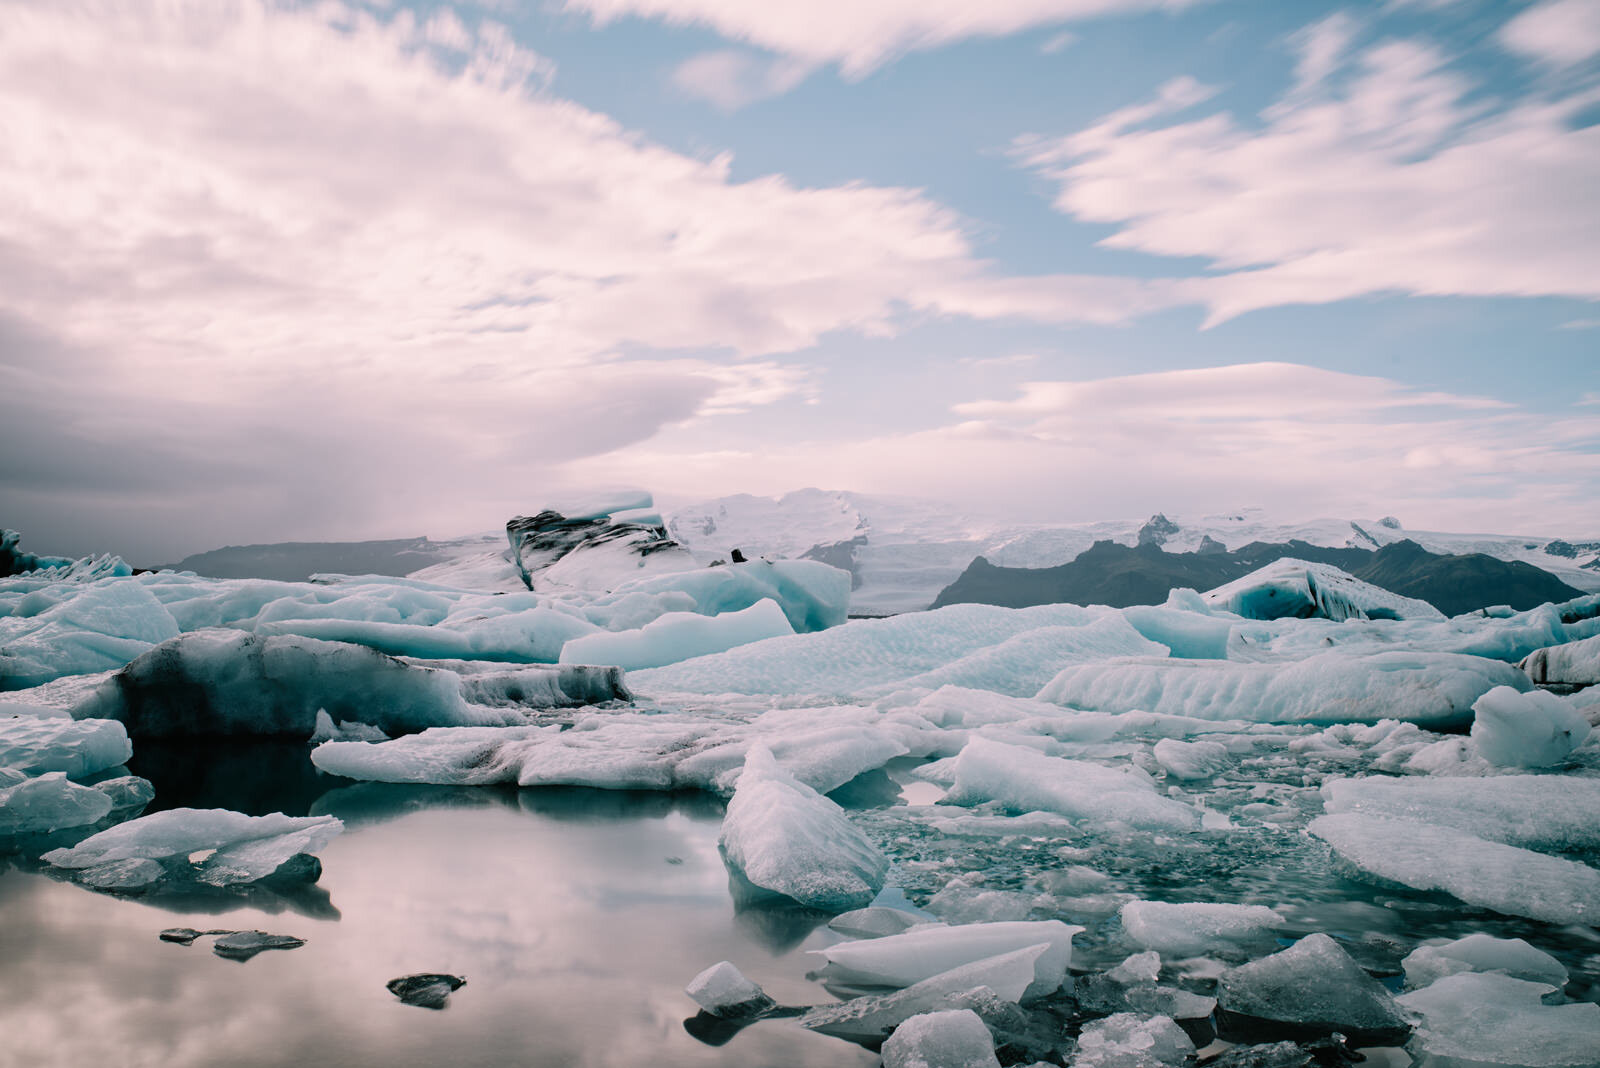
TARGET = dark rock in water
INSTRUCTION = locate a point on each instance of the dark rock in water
(185, 936)
(242, 945)
(1330, 1052)
(1310, 990)
(1157, 529)
(427, 990)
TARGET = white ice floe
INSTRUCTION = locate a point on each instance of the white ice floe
(1554, 812)
(1425, 856)
(246, 848)
(1526, 730)
(901, 960)
(1191, 760)
(783, 837)
(32, 745)
(40, 804)
(72, 628)
(1194, 928)
(1482, 953)
(677, 636)
(1300, 589)
(1431, 689)
(1485, 1019)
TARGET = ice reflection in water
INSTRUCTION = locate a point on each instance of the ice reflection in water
(564, 909)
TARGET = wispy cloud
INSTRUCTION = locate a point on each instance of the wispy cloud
(730, 78)
(1559, 33)
(1381, 171)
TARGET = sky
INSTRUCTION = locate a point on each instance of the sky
(310, 271)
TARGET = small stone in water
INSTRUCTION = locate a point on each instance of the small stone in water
(427, 990)
(242, 945)
(184, 936)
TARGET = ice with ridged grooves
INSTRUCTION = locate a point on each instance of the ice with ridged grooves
(901, 960)
(247, 848)
(1425, 856)
(1300, 589)
(1483, 1019)
(783, 837)
(955, 1038)
(34, 745)
(1434, 690)
(1197, 927)
(1526, 730)
(677, 636)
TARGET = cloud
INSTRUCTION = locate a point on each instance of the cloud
(730, 79)
(1380, 172)
(1308, 441)
(310, 259)
(861, 35)
(1559, 33)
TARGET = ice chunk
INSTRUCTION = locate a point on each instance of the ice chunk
(78, 628)
(1194, 635)
(1311, 988)
(77, 747)
(1018, 666)
(1482, 953)
(1191, 760)
(1192, 929)
(1535, 811)
(678, 636)
(955, 1038)
(222, 682)
(1568, 664)
(1479, 1019)
(1433, 690)
(723, 990)
(533, 635)
(813, 595)
(784, 837)
(1129, 1041)
(47, 803)
(904, 959)
(1526, 730)
(1024, 780)
(347, 731)
(1518, 882)
(874, 921)
(1303, 590)
(871, 1017)
(247, 848)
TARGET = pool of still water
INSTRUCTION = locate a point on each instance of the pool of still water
(576, 916)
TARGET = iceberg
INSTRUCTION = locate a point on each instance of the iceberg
(1485, 1019)
(1024, 780)
(901, 960)
(34, 745)
(1196, 928)
(1570, 664)
(1303, 590)
(783, 837)
(1312, 988)
(1434, 690)
(677, 636)
(1424, 856)
(245, 848)
(955, 1038)
(75, 628)
(1526, 730)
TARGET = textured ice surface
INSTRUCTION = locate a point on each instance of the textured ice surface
(1424, 856)
(813, 595)
(864, 655)
(723, 990)
(247, 848)
(907, 958)
(871, 1017)
(1480, 1019)
(1536, 811)
(49, 802)
(1431, 689)
(782, 836)
(71, 628)
(955, 1038)
(1482, 953)
(1130, 1041)
(1025, 780)
(874, 921)
(1187, 629)
(1301, 590)
(32, 745)
(1569, 664)
(1313, 987)
(1191, 760)
(1190, 929)
(677, 636)
(1526, 730)
(222, 682)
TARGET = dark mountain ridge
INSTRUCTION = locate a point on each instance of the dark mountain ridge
(1119, 575)
(297, 561)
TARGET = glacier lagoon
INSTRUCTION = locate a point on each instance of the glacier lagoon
(1251, 827)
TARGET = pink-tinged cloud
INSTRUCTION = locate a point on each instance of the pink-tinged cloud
(1379, 172)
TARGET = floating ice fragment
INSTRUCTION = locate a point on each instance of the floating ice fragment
(1192, 929)
(1191, 760)
(33, 745)
(874, 921)
(247, 848)
(1303, 590)
(723, 990)
(1312, 988)
(783, 837)
(45, 803)
(1482, 953)
(1130, 1041)
(1526, 730)
(1485, 1019)
(1536, 811)
(678, 636)
(955, 1038)
(904, 959)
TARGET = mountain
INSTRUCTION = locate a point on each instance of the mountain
(297, 561)
(1121, 575)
